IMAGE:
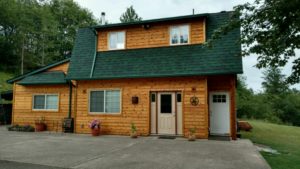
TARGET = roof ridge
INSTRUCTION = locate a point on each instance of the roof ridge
(118, 24)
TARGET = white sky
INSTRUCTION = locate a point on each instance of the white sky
(151, 9)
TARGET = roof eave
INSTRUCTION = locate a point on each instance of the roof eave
(45, 83)
(150, 21)
(156, 76)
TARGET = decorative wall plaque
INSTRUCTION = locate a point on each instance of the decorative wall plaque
(194, 101)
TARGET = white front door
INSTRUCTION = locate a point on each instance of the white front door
(219, 105)
(166, 113)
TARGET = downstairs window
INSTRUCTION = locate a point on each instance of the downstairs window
(45, 102)
(104, 101)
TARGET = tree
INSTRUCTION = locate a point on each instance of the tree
(274, 82)
(70, 16)
(244, 97)
(270, 29)
(130, 15)
(34, 33)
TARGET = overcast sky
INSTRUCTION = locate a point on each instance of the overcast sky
(151, 9)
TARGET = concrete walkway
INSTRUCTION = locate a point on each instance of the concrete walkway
(46, 150)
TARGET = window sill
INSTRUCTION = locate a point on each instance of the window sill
(116, 49)
(104, 114)
(44, 111)
(180, 44)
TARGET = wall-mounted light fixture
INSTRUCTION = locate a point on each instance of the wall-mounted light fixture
(146, 26)
(194, 89)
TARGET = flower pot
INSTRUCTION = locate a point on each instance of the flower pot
(133, 135)
(191, 137)
(95, 131)
(40, 127)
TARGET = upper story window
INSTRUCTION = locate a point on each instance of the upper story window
(179, 34)
(116, 40)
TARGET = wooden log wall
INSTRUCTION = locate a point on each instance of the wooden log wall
(193, 116)
(157, 35)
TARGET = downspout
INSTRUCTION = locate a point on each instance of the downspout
(95, 52)
(70, 99)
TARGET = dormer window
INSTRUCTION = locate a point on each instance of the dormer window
(179, 34)
(116, 40)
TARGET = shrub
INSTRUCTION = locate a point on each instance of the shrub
(24, 128)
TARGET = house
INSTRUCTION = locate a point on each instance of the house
(154, 73)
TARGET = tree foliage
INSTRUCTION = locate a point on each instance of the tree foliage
(271, 30)
(274, 81)
(38, 32)
(130, 15)
(276, 103)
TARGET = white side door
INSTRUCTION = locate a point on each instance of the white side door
(166, 113)
(219, 105)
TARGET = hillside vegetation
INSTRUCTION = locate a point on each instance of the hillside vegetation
(3, 85)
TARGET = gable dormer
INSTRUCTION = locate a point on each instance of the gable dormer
(182, 30)
(149, 53)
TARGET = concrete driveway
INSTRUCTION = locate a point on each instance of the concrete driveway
(54, 150)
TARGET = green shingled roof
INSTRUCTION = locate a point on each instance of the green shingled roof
(54, 77)
(42, 69)
(186, 60)
(83, 54)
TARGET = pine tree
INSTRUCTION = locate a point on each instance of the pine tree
(274, 82)
(130, 16)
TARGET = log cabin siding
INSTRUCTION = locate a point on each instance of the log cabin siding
(193, 116)
(156, 36)
(62, 67)
(23, 113)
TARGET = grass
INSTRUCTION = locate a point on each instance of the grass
(285, 139)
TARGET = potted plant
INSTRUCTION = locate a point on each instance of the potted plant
(192, 136)
(40, 124)
(133, 133)
(95, 127)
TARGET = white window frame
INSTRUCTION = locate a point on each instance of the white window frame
(176, 26)
(45, 95)
(104, 90)
(108, 40)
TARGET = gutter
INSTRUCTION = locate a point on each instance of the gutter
(95, 53)
(70, 99)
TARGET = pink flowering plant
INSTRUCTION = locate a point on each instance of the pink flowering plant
(95, 124)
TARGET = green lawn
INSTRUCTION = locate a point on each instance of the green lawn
(285, 139)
